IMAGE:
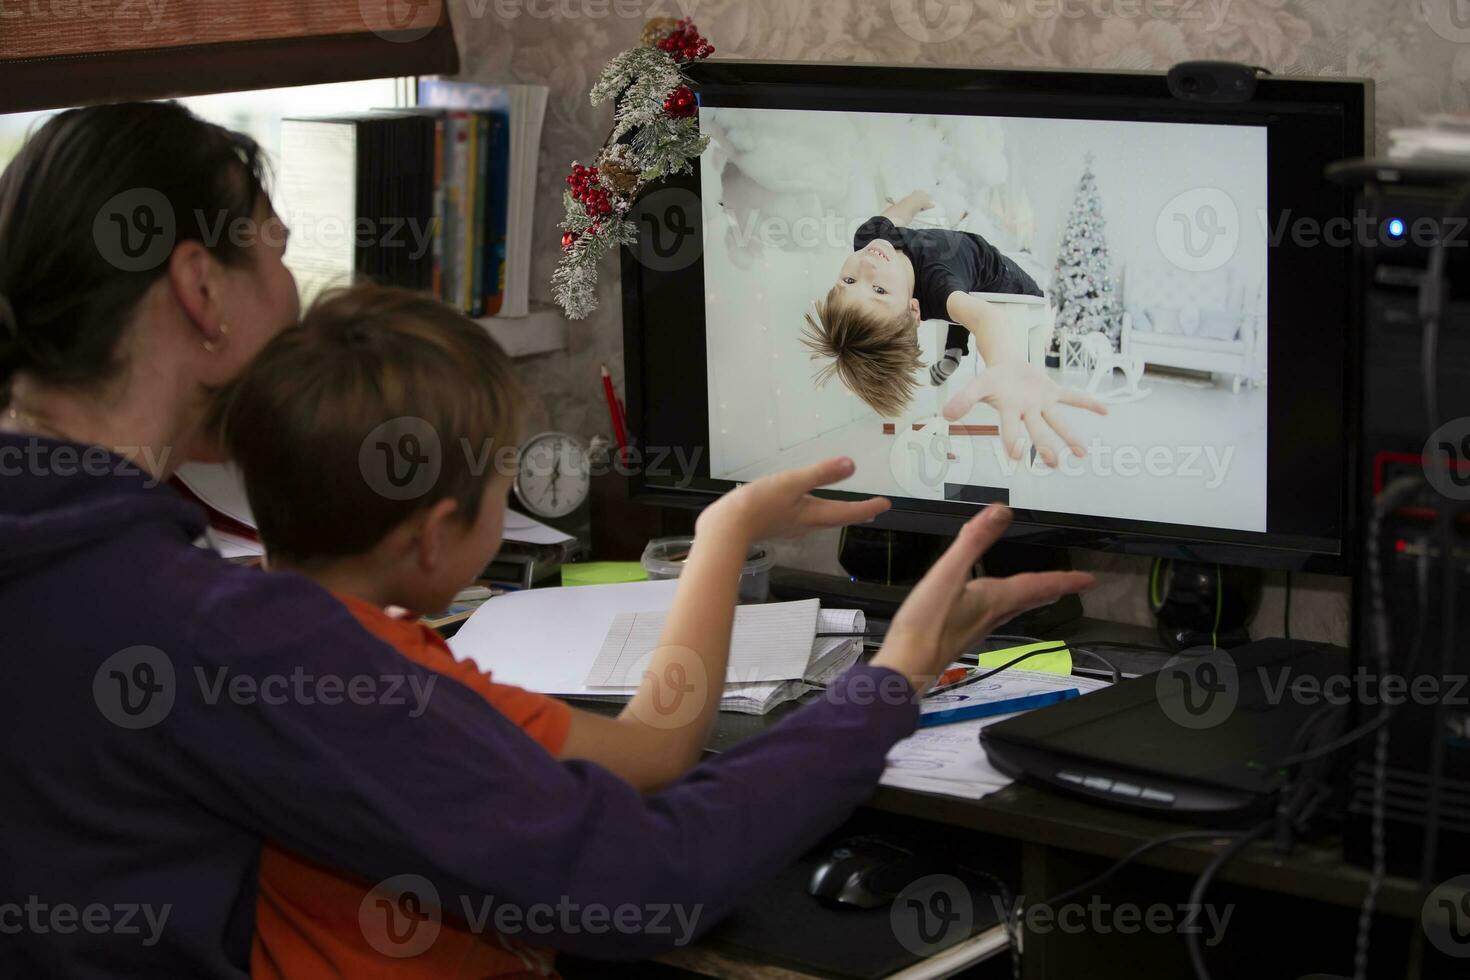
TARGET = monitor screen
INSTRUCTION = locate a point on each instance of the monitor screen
(828, 339)
(1102, 314)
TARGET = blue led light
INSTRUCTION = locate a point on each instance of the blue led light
(1395, 228)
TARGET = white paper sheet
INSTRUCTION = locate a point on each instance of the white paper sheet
(231, 545)
(221, 487)
(522, 529)
(946, 759)
(546, 639)
(769, 642)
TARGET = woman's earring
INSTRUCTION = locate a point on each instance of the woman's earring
(213, 345)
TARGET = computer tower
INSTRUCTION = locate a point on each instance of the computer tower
(1403, 213)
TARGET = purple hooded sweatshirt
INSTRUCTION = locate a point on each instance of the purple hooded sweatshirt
(164, 712)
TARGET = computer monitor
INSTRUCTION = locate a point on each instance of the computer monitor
(1183, 263)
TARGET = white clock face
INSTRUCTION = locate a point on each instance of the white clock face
(554, 476)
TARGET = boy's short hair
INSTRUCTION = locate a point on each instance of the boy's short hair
(876, 357)
(380, 404)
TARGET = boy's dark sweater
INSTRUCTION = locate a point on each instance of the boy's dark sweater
(948, 262)
(95, 561)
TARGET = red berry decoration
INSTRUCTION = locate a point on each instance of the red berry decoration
(685, 43)
(589, 191)
(680, 104)
(568, 241)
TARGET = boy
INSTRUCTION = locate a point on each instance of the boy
(898, 277)
(304, 425)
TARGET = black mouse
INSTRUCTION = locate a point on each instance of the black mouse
(866, 873)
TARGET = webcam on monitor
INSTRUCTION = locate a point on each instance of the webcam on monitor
(1213, 81)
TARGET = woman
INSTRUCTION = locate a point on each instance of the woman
(144, 758)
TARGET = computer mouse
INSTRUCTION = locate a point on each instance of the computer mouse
(866, 873)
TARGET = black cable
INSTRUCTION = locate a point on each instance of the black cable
(1393, 496)
(1057, 646)
(1122, 862)
(1013, 638)
(1240, 841)
(1286, 610)
(1112, 667)
(1430, 854)
(1013, 926)
(1054, 646)
(1012, 918)
(1434, 296)
(1339, 743)
(1065, 644)
(1076, 647)
(1386, 715)
(1129, 858)
(1119, 645)
(1305, 730)
(986, 675)
(1379, 848)
(1202, 883)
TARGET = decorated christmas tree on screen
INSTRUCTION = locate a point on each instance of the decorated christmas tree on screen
(1083, 291)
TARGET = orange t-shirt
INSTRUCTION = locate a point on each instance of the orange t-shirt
(306, 915)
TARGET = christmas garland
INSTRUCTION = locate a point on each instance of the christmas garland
(655, 135)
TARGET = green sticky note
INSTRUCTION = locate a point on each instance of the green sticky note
(1059, 662)
(605, 573)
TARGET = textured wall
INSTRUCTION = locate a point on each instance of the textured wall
(1418, 51)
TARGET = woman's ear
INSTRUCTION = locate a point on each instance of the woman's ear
(914, 311)
(436, 535)
(193, 276)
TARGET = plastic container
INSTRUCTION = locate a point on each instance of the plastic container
(664, 559)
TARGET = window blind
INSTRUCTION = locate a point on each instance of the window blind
(57, 53)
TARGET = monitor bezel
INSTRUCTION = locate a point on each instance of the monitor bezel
(1095, 93)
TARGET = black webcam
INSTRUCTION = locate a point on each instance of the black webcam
(1213, 81)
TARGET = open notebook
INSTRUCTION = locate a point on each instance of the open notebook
(551, 641)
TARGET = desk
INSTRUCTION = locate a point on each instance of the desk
(1290, 914)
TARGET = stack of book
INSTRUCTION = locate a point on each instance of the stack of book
(438, 198)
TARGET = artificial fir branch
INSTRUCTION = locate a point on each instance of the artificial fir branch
(655, 135)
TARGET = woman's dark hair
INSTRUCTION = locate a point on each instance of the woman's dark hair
(90, 211)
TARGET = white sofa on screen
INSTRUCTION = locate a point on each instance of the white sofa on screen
(1196, 321)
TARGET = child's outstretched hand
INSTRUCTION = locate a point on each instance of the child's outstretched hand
(782, 505)
(949, 611)
(1028, 402)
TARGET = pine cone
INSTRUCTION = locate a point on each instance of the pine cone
(657, 29)
(619, 170)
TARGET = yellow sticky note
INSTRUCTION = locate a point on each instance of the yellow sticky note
(1059, 662)
(605, 573)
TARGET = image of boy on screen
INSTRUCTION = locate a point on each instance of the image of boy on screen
(897, 277)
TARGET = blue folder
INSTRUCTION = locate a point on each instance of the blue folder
(988, 709)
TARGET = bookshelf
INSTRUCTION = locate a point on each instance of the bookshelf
(437, 196)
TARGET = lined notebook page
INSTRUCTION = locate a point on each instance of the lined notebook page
(769, 642)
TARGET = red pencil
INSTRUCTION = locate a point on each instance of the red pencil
(616, 414)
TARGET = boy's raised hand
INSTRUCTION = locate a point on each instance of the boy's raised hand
(782, 505)
(948, 611)
(1029, 403)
